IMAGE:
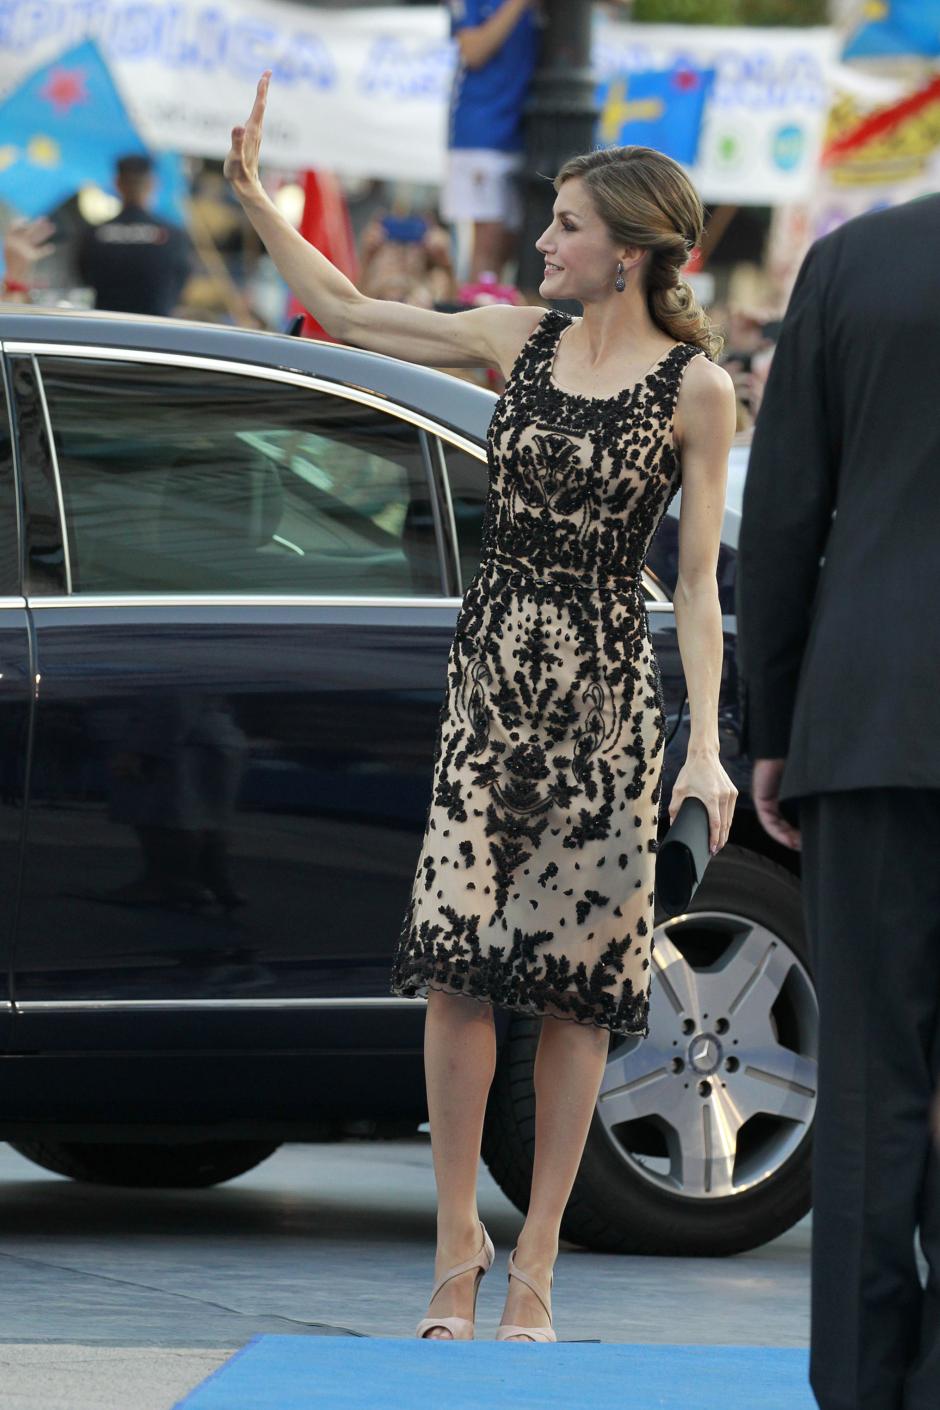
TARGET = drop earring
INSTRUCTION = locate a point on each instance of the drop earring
(620, 282)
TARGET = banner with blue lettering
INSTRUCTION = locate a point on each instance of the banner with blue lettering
(63, 128)
(899, 27)
(364, 91)
(661, 109)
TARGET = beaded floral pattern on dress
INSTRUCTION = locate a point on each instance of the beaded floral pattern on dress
(534, 886)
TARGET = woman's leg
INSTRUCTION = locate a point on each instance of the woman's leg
(459, 1062)
(569, 1066)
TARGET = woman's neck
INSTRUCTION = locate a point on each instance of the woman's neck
(616, 326)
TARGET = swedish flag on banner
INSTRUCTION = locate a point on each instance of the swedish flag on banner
(63, 127)
(896, 27)
(659, 108)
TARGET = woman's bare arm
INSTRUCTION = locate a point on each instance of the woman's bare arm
(706, 406)
(482, 337)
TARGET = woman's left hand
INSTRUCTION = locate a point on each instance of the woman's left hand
(702, 776)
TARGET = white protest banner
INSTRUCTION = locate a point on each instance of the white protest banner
(763, 123)
(364, 92)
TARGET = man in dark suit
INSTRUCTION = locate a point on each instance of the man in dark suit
(839, 658)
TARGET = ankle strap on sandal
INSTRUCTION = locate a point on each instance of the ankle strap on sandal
(479, 1260)
(515, 1272)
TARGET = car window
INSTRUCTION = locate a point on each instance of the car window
(187, 480)
(468, 481)
(9, 546)
(467, 476)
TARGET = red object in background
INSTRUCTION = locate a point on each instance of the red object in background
(326, 224)
(488, 291)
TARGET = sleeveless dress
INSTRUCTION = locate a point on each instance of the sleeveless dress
(534, 885)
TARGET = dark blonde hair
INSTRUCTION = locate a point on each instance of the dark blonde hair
(645, 199)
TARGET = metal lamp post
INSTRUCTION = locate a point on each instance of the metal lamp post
(561, 117)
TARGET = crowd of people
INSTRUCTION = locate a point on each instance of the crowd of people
(136, 262)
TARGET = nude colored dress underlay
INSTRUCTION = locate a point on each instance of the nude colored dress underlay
(534, 885)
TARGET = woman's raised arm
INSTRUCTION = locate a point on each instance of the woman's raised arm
(481, 337)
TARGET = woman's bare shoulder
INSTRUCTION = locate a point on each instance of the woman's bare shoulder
(509, 326)
(706, 408)
(705, 384)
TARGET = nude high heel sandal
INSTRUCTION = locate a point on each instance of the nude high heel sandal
(460, 1328)
(506, 1330)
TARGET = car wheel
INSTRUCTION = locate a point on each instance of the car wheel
(141, 1166)
(700, 1140)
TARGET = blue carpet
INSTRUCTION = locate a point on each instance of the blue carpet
(366, 1373)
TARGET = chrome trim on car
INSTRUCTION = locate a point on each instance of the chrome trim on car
(9, 603)
(54, 458)
(113, 1005)
(168, 599)
(213, 599)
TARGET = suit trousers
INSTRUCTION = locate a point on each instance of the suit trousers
(871, 889)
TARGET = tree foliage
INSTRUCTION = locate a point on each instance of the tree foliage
(739, 12)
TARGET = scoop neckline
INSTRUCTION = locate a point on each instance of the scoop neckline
(583, 396)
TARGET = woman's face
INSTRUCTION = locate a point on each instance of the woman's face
(580, 255)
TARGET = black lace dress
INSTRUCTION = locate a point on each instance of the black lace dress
(534, 886)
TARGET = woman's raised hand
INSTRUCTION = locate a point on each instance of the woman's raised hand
(241, 164)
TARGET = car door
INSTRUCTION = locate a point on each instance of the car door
(241, 626)
(15, 695)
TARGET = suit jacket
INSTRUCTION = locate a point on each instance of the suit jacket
(838, 587)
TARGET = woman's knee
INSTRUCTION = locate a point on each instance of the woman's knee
(459, 1008)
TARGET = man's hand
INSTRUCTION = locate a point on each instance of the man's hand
(765, 788)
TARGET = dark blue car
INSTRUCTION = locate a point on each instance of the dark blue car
(231, 566)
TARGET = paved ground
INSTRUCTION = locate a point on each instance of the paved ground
(101, 1289)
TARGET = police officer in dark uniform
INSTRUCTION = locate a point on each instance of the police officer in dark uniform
(136, 263)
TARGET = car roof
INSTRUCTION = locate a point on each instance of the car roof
(455, 403)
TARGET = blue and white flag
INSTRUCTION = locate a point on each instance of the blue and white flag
(656, 108)
(171, 190)
(63, 128)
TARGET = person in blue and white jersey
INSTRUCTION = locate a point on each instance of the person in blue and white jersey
(498, 49)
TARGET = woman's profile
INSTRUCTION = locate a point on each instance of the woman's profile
(534, 886)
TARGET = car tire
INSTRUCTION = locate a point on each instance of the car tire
(613, 1207)
(141, 1166)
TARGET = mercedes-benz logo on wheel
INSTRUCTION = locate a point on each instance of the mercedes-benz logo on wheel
(704, 1052)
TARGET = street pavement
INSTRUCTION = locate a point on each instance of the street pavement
(111, 1299)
